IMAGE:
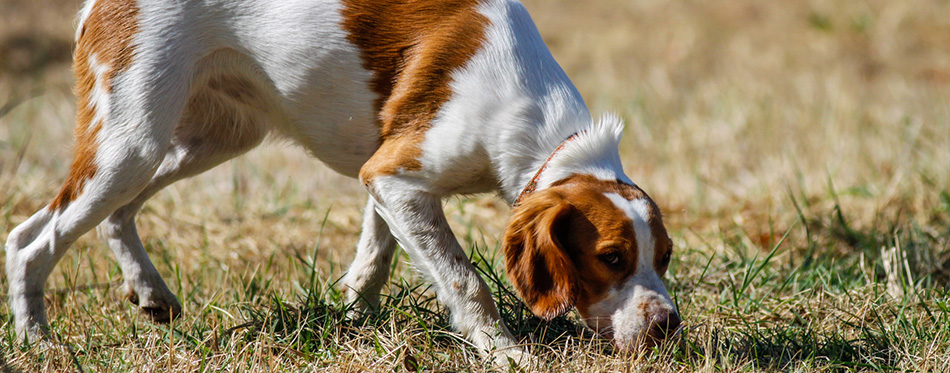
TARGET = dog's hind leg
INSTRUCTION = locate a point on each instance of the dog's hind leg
(122, 132)
(131, 90)
(370, 268)
(214, 128)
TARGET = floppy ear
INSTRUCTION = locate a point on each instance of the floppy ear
(535, 259)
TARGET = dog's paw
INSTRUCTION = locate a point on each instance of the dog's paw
(156, 302)
(33, 333)
(517, 356)
(360, 304)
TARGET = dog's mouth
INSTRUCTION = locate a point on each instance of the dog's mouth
(660, 330)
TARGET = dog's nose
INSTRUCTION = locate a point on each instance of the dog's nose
(665, 324)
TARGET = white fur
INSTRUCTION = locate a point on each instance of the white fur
(510, 129)
(512, 105)
(592, 152)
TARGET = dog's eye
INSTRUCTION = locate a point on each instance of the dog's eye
(611, 259)
(666, 257)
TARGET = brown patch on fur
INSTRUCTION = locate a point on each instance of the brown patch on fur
(662, 245)
(661, 239)
(107, 36)
(538, 264)
(644, 308)
(588, 226)
(412, 48)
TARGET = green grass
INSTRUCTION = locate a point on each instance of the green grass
(801, 306)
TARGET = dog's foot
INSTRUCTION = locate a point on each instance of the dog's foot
(33, 333)
(515, 355)
(360, 304)
(155, 301)
(28, 308)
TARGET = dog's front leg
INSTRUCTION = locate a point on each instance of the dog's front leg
(417, 221)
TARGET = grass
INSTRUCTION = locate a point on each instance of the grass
(799, 151)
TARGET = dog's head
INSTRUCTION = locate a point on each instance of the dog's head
(599, 246)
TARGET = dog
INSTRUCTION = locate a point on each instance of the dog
(419, 100)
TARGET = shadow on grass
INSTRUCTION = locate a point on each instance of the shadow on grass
(4, 367)
(317, 326)
(795, 348)
(317, 323)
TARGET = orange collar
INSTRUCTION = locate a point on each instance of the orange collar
(533, 184)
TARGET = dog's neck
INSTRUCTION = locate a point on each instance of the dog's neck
(591, 151)
(533, 107)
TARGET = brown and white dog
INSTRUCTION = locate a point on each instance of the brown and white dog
(418, 99)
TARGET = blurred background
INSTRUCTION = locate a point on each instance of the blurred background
(736, 111)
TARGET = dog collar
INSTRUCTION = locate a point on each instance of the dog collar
(533, 184)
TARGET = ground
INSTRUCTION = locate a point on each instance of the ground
(800, 152)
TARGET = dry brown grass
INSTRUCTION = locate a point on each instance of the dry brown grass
(737, 112)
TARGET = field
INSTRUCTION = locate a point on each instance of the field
(799, 150)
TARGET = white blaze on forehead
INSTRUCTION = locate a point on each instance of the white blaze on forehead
(638, 211)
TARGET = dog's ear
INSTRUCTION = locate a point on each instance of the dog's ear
(537, 263)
